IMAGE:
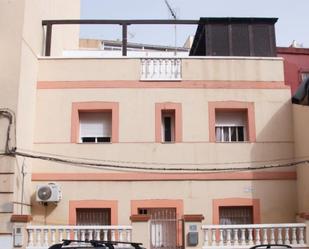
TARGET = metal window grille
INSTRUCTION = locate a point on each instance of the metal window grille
(93, 216)
(236, 215)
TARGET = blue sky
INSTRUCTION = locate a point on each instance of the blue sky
(293, 23)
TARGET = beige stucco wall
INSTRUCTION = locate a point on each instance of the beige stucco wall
(208, 68)
(11, 16)
(246, 69)
(277, 198)
(301, 119)
(272, 115)
(21, 44)
(32, 36)
(273, 121)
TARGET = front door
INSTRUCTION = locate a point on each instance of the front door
(164, 227)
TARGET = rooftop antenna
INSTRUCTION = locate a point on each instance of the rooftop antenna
(174, 16)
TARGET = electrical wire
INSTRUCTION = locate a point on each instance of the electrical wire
(10, 115)
(164, 169)
(163, 163)
(123, 165)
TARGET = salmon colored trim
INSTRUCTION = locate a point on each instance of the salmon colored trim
(21, 218)
(264, 175)
(193, 217)
(94, 106)
(232, 105)
(183, 84)
(304, 215)
(159, 107)
(113, 205)
(160, 203)
(178, 204)
(140, 218)
(234, 202)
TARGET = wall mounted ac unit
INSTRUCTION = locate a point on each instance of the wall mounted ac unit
(49, 192)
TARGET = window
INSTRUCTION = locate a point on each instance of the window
(168, 125)
(95, 127)
(235, 121)
(93, 216)
(236, 215)
(95, 122)
(231, 126)
(304, 76)
(168, 122)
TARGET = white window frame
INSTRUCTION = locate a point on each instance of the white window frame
(230, 133)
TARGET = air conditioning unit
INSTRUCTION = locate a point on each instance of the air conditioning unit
(49, 192)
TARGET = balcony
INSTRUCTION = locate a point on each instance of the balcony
(214, 236)
(41, 237)
(58, 64)
(161, 69)
(246, 236)
(186, 69)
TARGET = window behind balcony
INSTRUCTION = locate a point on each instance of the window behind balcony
(95, 127)
(93, 216)
(236, 215)
(231, 126)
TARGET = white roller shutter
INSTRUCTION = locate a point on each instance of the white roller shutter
(95, 124)
(237, 118)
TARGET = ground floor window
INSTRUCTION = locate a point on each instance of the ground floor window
(236, 215)
(93, 216)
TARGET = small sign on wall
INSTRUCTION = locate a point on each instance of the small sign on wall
(192, 228)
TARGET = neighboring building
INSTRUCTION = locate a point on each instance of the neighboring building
(106, 48)
(148, 149)
(20, 46)
(296, 65)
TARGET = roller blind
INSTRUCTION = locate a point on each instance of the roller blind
(95, 124)
(231, 118)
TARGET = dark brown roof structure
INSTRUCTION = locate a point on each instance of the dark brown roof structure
(230, 36)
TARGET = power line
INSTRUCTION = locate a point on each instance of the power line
(142, 168)
(163, 163)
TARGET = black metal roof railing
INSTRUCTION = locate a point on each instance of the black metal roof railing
(124, 23)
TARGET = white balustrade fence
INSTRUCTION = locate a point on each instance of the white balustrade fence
(246, 236)
(44, 236)
(165, 69)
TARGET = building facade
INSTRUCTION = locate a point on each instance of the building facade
(296, 66)
(142, 148)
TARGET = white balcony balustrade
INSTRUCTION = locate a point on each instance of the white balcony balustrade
(41, 237)
(161, 69)
(245, 236)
